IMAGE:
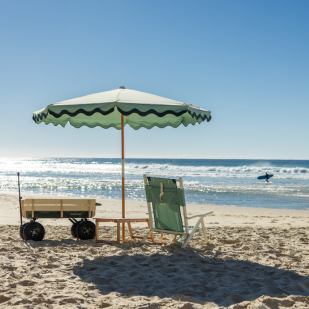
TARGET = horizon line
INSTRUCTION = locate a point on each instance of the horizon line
(162, 158)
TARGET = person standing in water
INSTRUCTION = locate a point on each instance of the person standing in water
(267, 177)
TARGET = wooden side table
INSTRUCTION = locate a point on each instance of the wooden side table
(118, 221)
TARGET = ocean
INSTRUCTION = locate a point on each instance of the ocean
(220, 182)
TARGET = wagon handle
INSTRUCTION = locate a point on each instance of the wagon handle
(19, 197)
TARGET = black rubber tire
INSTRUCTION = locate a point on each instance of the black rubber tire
(21, 230)
(34, 231)
(85, 230)
(73, 229)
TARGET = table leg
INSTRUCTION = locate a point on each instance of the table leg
(130, 229)
(118, 232)
(123, 231)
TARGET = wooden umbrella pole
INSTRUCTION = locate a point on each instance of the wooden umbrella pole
(123, 188)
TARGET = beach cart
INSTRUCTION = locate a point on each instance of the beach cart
(71, 209)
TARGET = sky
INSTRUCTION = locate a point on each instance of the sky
(246, 61)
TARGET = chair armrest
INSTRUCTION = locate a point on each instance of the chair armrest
(203, 214)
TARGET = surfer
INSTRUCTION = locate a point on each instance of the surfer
(267, 177)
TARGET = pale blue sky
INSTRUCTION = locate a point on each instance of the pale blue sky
(246, 61)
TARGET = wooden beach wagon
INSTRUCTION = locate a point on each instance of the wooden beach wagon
(71, 209)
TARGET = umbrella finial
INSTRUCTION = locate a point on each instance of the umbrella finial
(122, 87)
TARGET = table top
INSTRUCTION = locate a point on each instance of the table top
(122, 220)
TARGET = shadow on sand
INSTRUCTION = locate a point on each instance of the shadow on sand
(186, 273)
(56, 243)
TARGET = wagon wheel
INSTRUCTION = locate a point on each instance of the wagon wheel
(85, 230)
(73, 229)
(21, 230)
(34, 231)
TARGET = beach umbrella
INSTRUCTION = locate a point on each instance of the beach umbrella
(120, 107)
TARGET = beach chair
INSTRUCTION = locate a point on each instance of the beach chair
(164, 200)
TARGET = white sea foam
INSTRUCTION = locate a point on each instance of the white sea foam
(218, 184)
(218, 171)
(41, 166)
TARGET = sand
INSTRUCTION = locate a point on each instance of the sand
(254, 258)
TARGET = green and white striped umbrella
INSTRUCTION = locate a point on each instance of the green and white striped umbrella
(120, 107)
(104, 109)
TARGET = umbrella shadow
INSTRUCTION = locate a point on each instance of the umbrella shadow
(202, 278)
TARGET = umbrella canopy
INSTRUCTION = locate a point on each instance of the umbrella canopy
(105, 109)
(119, 107)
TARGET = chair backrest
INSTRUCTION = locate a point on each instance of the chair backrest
(166, 200)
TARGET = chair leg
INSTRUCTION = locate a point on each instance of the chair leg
(130, 229)
(191, 234)
(204, 230)
(151, 234)
(145, 237)
(161, 239)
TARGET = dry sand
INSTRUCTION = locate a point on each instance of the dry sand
(255, 258)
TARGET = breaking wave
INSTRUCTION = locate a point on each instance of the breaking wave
(222, 182)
